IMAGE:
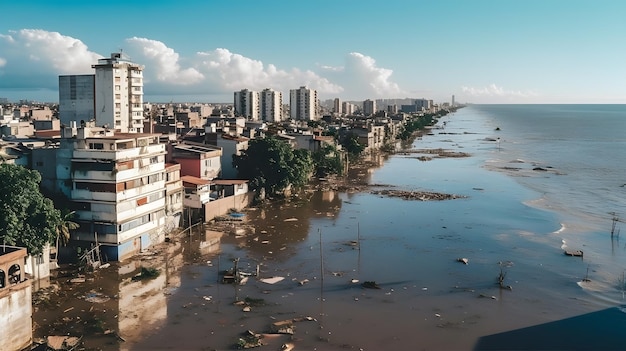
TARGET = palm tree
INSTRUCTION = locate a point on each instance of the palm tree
(65, 226)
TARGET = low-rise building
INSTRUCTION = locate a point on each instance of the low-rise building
(16, 306)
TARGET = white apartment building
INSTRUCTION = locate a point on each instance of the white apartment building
(118, 187)
(76, 98)
(348, 108)
(271, 105)
(119, 94)
(303, 104)
(247, 104)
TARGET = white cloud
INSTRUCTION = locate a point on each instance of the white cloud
(163, 62)
(492, 90)
(34, 58)
(65, 54)
(363, 79)
(230, 71)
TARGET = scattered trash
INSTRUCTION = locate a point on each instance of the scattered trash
(576, 253)
(290, 220)
(55, 342)
(302, 282)
(283, 327)
(463, 260)
(247, 309)
(370, 285)
(96, 298)
(354, 281)
(272, 280)
(106, 265)
(77, 280)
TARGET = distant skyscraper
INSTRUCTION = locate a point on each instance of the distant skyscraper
(119, 94)
(303, 104)
(393, 108)
(337, 106)
(76, 98)
(271, 105)
(369, 107)
(348, 108)
(452, 101)
(247, 104)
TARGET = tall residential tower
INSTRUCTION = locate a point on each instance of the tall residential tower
(119, 94)
(303, 104)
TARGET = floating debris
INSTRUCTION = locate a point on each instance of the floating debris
(463, 260)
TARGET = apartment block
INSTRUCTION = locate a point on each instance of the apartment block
(76, 98)
(119, 94)
(247, 104)
(303, 104)
(271, 105)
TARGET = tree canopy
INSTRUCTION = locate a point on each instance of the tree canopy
(273, 165)
(27, 218)
(327, 161)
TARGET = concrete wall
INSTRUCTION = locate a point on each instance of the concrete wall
(16, 310)
(222, 206)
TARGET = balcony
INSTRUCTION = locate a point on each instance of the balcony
(126, 154)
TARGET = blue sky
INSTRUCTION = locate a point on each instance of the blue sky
(498, 51)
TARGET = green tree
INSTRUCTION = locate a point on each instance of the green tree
(351, 144)
(273, 165)
(27, 218)
(327, 161)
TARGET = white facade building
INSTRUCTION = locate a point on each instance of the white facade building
(118, 188)
(271, 105)
(247, 104)
(119, 94)
(303, 104)
(76, 98)
(337, 106)
(348, 108)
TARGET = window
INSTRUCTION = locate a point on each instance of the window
(96, 146)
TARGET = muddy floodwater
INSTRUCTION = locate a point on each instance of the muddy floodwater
(483, 270)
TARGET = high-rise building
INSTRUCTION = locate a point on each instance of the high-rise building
(303, 104)
(337, 106)
(347, 108)
(76, 98)
(452, 101)
(271, 105)
(247, 104)
(369, 107)
(119, 94)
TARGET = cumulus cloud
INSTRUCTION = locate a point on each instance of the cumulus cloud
(492, 90)
(232, 71)
(164, 62)
(364, 77)
(34, 58)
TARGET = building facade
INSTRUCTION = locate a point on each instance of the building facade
(247, 104)
(369, 107)
(119, 94)
(118, 190)
(303, 104)
(16, 306)
(271, 105)
(76, 98)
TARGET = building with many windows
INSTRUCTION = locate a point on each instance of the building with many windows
(247, 104)
(303, 104)
(271, 105)
(369, 107)
(119, 94)
(76, 98)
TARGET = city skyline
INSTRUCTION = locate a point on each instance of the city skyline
(480, 51)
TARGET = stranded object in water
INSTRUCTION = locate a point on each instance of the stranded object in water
(577, 253)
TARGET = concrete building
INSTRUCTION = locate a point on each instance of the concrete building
(16, 306)
(369, 107)
(337, 106)
(347, 108)
(231, 145)
(174, 192)
(119, 94)
(117, 185)
(247, 104)
(271, 105)
(303, 104)
(76, 98)
(198, 160)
